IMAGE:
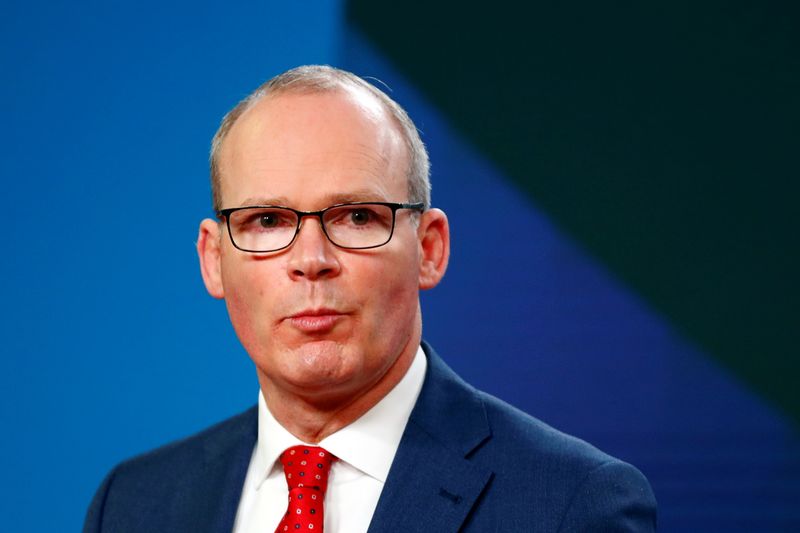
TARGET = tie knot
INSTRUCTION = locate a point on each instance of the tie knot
(307, 467)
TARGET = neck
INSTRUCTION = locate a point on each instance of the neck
(311, 419)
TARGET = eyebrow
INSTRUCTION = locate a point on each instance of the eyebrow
(331, 199)
(263, 200)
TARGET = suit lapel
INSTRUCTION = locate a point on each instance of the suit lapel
(432, 486)
(224, 470)
(429, 488)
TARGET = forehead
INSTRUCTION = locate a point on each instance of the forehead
(304, 149)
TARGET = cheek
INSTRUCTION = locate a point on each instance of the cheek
(240, 314)
(396, 293)
(247, 306)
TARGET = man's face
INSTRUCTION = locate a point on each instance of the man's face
(317, 320)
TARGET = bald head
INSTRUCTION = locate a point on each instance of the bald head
(315, 79)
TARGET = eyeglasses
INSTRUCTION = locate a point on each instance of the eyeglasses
(354, 226)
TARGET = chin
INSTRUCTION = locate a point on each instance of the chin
(320, 361)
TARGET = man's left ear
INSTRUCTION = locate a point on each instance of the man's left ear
(434, 239)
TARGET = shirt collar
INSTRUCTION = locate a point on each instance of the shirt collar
(369, 443)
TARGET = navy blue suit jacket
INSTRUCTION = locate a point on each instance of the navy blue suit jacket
(466, 462)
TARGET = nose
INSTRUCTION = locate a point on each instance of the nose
(312, 255)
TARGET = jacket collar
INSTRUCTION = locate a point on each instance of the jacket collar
(227, 455)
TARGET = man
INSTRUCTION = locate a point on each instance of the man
(324, 237)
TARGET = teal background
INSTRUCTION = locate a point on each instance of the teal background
(641, 158)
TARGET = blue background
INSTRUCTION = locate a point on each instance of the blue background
(110, 343)
(112, 346)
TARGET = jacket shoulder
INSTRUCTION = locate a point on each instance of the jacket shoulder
(517, 430)
(566, 482)
(165, 487)
(196, 448)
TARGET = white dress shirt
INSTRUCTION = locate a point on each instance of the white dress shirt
(365, 449)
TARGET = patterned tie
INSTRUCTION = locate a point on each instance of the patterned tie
(306, 469)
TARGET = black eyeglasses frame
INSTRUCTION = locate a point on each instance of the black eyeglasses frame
(226, 213)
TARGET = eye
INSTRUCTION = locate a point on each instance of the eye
(268, 220)
(360, 217)
(259, 219)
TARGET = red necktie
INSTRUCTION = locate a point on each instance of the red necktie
(306, 469)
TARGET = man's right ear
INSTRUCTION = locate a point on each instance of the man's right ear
(208, 250)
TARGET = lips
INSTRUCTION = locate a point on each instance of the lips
(315, 320)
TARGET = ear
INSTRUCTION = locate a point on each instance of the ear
(434, 239)
(208, 250)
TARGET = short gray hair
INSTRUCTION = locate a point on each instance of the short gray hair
(312, 79)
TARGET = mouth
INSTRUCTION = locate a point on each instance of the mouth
(318, 320)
